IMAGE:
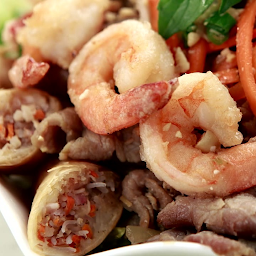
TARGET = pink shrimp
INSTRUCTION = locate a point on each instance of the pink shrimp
(174, 151)
(136, 58)
(57, 31)
(27, 72)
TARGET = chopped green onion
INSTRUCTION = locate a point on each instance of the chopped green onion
(218, 27)
(226, 4)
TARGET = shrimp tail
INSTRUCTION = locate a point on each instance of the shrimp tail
(122, 110)
(26, 72)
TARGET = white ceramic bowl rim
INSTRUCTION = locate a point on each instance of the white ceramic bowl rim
(16, 217)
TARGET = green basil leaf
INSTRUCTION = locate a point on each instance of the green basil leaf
(177, 15)
(218, 27)
(226, 4)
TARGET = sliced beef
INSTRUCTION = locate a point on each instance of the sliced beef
(128, 145)
(97, 147)
(56, 130)
(27, 72)
(234, 215)
(221, 245)
(89, 146)
(144, 194)
(174, 234)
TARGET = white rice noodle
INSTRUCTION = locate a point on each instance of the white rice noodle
(92, 177)
(82, 233)
(96, 185)
(111, 185)
(60, 234)
(69, 239)
(88, 207)
(53, 240)
(51, 223)
(66, 223)
(59, 212)
(53, 206)
(79, 191)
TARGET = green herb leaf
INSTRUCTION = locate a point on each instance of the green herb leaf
(218, 27)
(10, 9)
(177, 15)
(226, 4)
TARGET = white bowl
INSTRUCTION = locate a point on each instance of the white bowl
(16, 215)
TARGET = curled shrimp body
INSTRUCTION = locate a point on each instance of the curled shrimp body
(58, 29)
(175, 152)
(130, 56)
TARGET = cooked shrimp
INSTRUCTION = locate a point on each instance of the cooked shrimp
(27, 72)
(172, 150)
(59, 29)
(132, 54)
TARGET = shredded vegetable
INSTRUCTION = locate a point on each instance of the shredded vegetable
(244, 52)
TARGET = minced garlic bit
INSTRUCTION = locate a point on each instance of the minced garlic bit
(229, 55)
(167, 127)
(84, 94)
(193, 38)
(182, 63)
(216, 172)
(208, 142)
(178, 134)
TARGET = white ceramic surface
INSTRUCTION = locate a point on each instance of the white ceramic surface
(16, 215)
(8, 244)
